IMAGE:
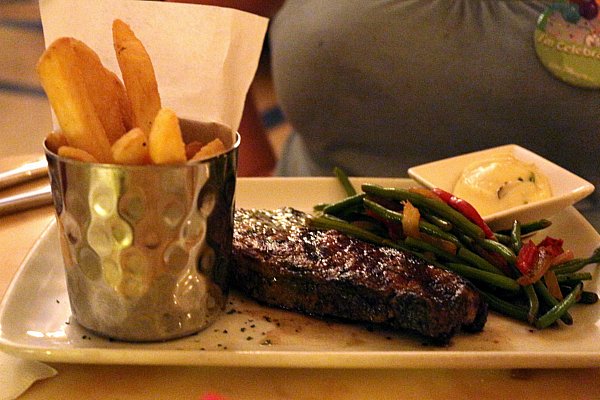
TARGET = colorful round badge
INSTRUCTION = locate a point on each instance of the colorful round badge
(567, 41)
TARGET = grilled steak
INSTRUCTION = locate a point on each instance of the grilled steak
(281, 262)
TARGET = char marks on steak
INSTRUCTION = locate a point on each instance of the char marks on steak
(279, 261)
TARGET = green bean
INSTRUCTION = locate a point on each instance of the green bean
(439, 222)
(550, 300)
(424, 246)
(396, 217)
(472, 251)
(435, 231)
(477, 261)
(499, 281)
(386, 213)
(577, 264)
(498, 248)
(560, 309)
(570, 266)
(344, 205)
(438, 207)
(320, 207)
(504, 239)
(573, 278)
(504, 307)
(515, 237)
(343, 179)
(327, 222)
(534, 303)
(535, 226)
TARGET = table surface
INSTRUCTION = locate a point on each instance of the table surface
(19, 232)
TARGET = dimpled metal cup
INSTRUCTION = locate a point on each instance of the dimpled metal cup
(147, 248)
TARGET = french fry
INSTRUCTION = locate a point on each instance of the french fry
(165, 143)
(107, 93)
(209, 150)
(192, 148)
(131, 148)
(55, 140)
(75, 153)
(138, 75)
(59, 70)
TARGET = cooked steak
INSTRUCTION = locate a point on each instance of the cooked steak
(279, 261)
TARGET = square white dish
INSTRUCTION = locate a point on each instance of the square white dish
(36, 323)
(567, 188)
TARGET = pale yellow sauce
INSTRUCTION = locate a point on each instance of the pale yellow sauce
(500, 183)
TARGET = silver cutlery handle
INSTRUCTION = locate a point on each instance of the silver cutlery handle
(23, 173)
(24, 201)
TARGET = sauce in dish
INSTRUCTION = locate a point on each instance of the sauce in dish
(501, 182)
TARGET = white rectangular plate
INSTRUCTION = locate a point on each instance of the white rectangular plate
(36, 323)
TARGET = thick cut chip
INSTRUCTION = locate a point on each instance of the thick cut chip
(138, 75)
(55, 140)
(76, 154)
(60, 72)
(165, 143)
(192, 148)
(107, 93)
(131, 148)
(209, 150)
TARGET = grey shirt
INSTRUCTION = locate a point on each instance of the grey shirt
(375, 87)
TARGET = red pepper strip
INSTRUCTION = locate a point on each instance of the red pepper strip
(534, 261)
(552, 245)
(466, 209)
(527, 257)
(541, 266)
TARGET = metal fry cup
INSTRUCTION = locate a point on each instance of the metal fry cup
(147, 249)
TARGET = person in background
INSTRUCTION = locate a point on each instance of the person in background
(375, 87)
(255, 154)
